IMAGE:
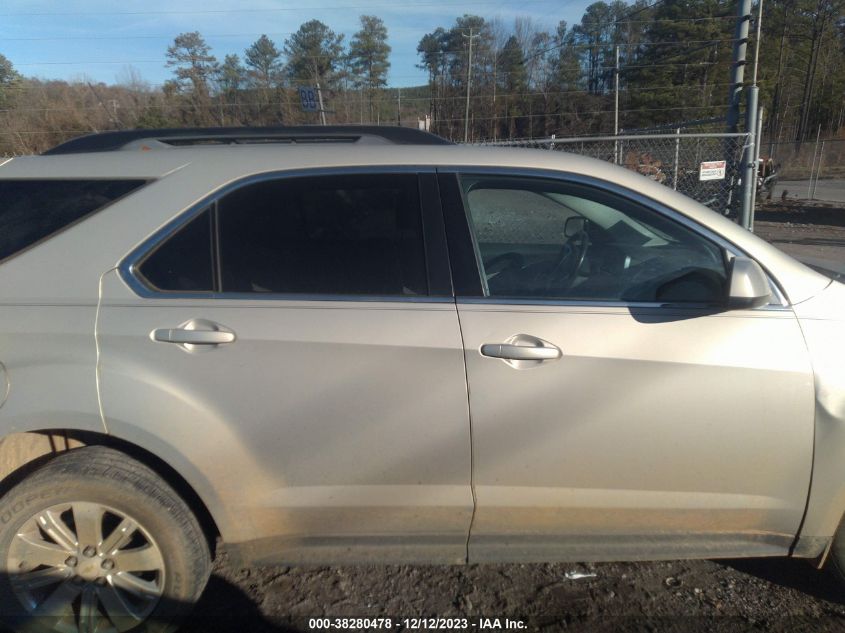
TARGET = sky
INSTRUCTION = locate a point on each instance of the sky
(102, 41)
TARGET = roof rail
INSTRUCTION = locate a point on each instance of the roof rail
(111, 141)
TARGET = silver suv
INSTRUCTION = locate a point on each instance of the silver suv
(335, 345)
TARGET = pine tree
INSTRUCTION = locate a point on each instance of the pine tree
(514, 85)
(368, 53)
(195, 67)
(192, 61)
(315, 53)
(368, 57)
(9, 78)
(264, 61)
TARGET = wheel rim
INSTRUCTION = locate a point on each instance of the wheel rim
(86, 567)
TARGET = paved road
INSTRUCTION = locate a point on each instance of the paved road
(829, 190)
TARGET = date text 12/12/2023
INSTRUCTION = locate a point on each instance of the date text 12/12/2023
(418, 624)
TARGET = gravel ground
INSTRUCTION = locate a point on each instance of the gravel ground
(749, 595)
(804, 229)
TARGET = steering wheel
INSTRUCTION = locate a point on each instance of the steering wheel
(503, 262)
(570, 261)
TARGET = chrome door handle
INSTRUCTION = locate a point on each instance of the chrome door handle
(193, 337)
(509, 351)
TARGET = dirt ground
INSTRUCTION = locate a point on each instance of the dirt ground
(756, 595)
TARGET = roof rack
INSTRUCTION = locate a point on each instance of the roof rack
(112, 141)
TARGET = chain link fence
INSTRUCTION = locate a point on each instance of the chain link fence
(705, 167)
(808, 171)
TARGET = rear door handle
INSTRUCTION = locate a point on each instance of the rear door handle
(509, 351)
(193, 337)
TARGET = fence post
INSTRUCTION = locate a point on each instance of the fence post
(677, 158)
(818, 172)
(757, 145)
(813, 163)
(749, 180)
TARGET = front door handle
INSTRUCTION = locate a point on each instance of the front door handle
(508, 351)
(195, 335)
(522, 351)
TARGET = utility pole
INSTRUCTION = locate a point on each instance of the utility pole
(616, 108)
(111, 115)
(320, 102)
(757, 41)
(469, 83)
(755, 119)
(743, 19)
(399, 108)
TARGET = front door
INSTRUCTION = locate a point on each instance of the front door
(618, 410)
(290, 349)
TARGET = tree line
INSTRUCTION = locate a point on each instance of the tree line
(669, 61)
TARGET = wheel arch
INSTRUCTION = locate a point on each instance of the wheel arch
(22, 453)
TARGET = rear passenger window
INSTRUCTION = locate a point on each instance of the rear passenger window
(336, 235)
(32, 210)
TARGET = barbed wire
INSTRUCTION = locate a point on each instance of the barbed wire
(554, 114)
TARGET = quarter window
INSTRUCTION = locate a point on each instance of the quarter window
(32, 210)
(552, 240)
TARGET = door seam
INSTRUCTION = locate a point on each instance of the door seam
(471, 442)
(804, 514)
(97, 350)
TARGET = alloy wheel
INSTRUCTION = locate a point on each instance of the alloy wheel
(84, 567)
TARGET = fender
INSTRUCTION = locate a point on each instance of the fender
(825, 337)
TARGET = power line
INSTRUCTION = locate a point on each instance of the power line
(257, 35)
(133, 37)
(483, 73)
(663, 20)
(603, 45)
(449, 120)
(479, 97)
(405, 5)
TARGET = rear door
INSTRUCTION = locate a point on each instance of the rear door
(293, 344)
(618, 410)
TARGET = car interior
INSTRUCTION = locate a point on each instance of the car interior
(574, 245)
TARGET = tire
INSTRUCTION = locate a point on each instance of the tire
(137, 558)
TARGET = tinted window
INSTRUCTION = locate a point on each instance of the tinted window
(31, 210)
(548, 239)
(324, 235)
(183, 262)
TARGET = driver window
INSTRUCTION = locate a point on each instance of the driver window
(545, 239)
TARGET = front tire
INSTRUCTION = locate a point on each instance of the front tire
(95, 541)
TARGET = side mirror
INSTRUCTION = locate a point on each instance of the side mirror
(574, 225)
(749, 286)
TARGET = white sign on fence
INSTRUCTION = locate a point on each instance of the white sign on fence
(712, 170)
(308, 97)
